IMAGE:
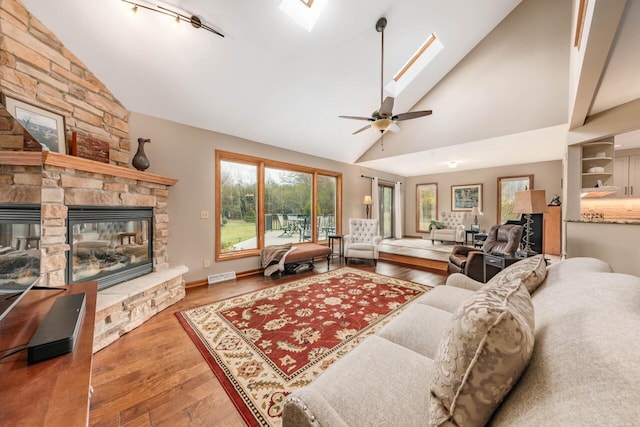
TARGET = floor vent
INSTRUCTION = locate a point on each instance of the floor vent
(221, 277)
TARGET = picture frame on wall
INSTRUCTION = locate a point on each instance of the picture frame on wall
(44, 126)
(465, 197)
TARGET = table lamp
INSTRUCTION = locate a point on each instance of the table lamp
(529, 202)
(367, 202)
(475, 211)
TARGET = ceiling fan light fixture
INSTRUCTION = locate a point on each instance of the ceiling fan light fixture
(382, 125)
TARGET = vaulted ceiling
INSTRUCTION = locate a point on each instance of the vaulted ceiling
(498, 88)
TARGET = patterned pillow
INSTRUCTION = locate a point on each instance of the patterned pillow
(532, 271)
(486, 347)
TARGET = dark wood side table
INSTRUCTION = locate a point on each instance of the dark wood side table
(478, 239)
(332, 238)
(466, 236)
(53, 392)
(493, 264)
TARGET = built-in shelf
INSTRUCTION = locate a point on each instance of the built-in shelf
(34, 158)
(598, 154)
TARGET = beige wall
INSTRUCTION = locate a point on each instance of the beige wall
(187, 153)
(546, 176)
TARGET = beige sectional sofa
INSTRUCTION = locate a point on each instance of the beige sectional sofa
(571, 351)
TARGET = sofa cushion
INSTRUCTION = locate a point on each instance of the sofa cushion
(481, 356)
(531, 271)
(418, 328)
(447, 298)
(366, 387)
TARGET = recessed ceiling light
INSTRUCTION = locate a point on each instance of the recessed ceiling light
(304, 12)
(452, 165)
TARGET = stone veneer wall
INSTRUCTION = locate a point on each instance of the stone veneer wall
(64, 187)
(20, 184)
(35, 67)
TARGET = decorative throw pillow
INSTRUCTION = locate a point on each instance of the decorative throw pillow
(435, 224)
(532, 271)
(482, 354)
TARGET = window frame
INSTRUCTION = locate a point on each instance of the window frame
(261, 164)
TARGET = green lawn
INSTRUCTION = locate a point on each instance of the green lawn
(237, 230)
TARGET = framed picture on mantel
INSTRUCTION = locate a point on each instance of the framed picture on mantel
(465, 197)
(44, 126)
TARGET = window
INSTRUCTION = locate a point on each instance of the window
(385, 210)
(238, 189)
(507, 187)
(415, 65)
(261, 202)
(426, 205)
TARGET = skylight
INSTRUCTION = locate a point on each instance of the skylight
(415, 65)
(304, 12)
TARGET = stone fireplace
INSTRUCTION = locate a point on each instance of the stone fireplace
(123, 211)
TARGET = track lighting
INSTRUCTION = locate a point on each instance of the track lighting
(193, 20)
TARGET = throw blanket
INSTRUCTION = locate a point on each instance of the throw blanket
(276, 255)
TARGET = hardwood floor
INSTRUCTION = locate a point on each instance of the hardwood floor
(155, 376)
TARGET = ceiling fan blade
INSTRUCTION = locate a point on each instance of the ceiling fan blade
(387, 107)
(410, 115)
(394, 128)
(360, 130)
(369, 119)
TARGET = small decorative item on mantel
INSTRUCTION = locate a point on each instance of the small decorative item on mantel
(88, 147)
(140, 160)
(555, 201)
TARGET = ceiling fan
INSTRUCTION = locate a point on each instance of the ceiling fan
(383, 119)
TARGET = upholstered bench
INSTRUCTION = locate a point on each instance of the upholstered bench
(279, 257)
(308, 252)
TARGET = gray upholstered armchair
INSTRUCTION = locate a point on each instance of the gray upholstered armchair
(363, 239)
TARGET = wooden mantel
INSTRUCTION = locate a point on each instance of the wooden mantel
(62, 160)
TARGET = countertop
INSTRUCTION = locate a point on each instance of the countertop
(619, 221)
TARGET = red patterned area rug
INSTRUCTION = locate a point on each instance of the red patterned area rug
(265, 344)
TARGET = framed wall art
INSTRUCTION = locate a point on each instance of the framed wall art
(44, 126)
(465, 197)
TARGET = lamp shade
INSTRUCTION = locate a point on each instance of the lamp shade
(381, 125)
(367, 200)
(476, 211)
(530, 201)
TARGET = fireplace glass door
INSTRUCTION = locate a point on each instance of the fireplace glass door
(19, 244)
(110, 246)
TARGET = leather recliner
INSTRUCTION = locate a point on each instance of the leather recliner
(501, 239)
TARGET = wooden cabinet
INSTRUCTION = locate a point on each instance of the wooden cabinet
(597, 164)
(626, 175)
(552, 231)
(53, 392)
